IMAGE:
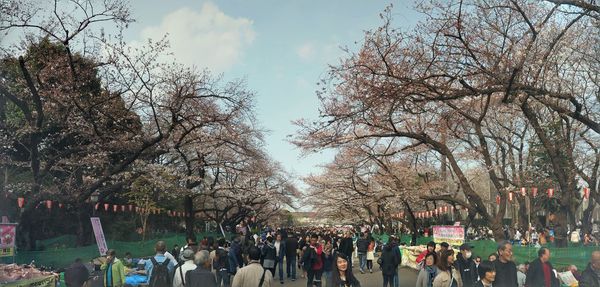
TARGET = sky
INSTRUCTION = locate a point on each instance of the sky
(281, 48)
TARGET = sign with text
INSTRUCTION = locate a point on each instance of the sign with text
(454, 235)
(99, 234)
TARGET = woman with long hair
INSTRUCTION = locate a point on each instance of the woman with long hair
(448, 275)
(341, 275)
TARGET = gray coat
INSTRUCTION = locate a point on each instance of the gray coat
(423, 278)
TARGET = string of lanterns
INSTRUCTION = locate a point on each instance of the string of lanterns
(534, 193)
(107, 208)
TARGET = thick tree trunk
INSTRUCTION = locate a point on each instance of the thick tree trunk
(190, 218)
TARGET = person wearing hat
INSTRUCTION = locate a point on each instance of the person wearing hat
(188, 256)
(466, 266)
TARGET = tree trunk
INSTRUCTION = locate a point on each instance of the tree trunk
(190, 218)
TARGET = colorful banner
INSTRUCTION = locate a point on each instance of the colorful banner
(46, 281)
(100, 240)
(454, 235)
(8, 235)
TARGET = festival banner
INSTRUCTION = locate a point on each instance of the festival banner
(8, 235)
(100, 240)
(454, 235)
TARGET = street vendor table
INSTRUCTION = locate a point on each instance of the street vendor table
(45, 281)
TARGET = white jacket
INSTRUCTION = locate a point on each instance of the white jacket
(187, 266)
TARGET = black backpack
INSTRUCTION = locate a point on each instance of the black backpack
(160, 274)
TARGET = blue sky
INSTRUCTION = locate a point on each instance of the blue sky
(281, 48)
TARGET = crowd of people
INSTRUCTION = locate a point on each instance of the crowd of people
(443, 268)
(323, 257)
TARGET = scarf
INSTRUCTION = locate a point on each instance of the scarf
(431, 271)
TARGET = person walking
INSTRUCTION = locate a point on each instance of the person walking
(234, 256)
(540, 272)
(448, 275)
(428, 272)
(466, 266)
(347, 247)
(342, 275)
(280, 254)
(362, 246)
(269, 256)
(371, 255)
(253, 274)
(179, 278)
(291, 251)
(506, 270)
(591, 275)
(201, 276)
(389, 264)
(327, 261)
(221, 264)
(114, 270)
(159, 268)
(313, 262)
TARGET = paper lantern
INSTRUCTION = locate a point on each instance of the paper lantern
(130, 207)
(137, 209)
(586, 193)
(96, 206)
(21, 202)
(498, 199)
(49, 204)
(550, 192)
(446, 209)
(115, 207)
(510, 196)
(523, 191)
(106, 205)
(123, 208)
(60, 205)
(534, 191)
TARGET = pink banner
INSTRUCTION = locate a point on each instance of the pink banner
(8, 235)
(454, 235)
(100, 240)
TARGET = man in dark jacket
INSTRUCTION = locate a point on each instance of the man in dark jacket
(389, 264)
(362, 245)
(591, 275)
(201, 276)
(347, 247)
(540, 272)
(291, 249)
(506, 270)
(76, 274)
(466, 266)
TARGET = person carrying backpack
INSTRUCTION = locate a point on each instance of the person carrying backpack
(159, 268)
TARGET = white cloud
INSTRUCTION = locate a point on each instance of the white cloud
(306, 51)
(205, 39)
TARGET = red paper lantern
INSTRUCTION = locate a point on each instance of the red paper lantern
(49, 204)
(21, 202)
(586, 193)
(510, 196)
(446, 209)
(550, 192)
(96, 206)
(130, 207)
(123, 208)
(60, 205)
(498, 199)
(106, 206)
(523, 191)
(137, 209)
(534, 191)
(115, 208)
